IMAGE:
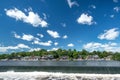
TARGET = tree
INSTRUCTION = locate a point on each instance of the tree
(70, 54)
(116, 56)
(84, 54)
(55, 54)
(75, 55)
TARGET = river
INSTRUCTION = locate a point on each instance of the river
(60, 70)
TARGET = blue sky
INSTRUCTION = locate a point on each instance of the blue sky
(28, 25)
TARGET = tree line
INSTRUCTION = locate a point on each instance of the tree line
(71, 54)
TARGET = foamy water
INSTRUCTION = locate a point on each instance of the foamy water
(11, 75)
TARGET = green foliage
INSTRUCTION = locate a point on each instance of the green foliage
(84, 54)
(116, 56)
(4, 56)
(75, 55)
(103, 54)
(62, 53)
(55, 54)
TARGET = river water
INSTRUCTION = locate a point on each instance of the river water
(59, 70)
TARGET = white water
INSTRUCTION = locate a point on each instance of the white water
(11, 75)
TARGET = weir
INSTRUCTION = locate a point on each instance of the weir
(11, 75)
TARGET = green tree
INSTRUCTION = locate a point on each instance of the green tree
(70, 54)
(116, 56)
(55, 54)
(84, 54)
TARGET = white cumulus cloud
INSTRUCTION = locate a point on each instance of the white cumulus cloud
(56, 43)
(27, 37)
(54, 49)
(19, 46)
(54, 34)
(40, 35)
(95, 46)
(110, 34)
(22, 46)
(65, 37)
(117, 9)
(48, 43)
(70, 3)
(32, 18)
(16, 35)
(34, 49)
(85, 19)
(70, 45)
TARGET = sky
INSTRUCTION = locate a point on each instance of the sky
(28, 25)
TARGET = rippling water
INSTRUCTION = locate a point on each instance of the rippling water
(98, 67)
(64, 70)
